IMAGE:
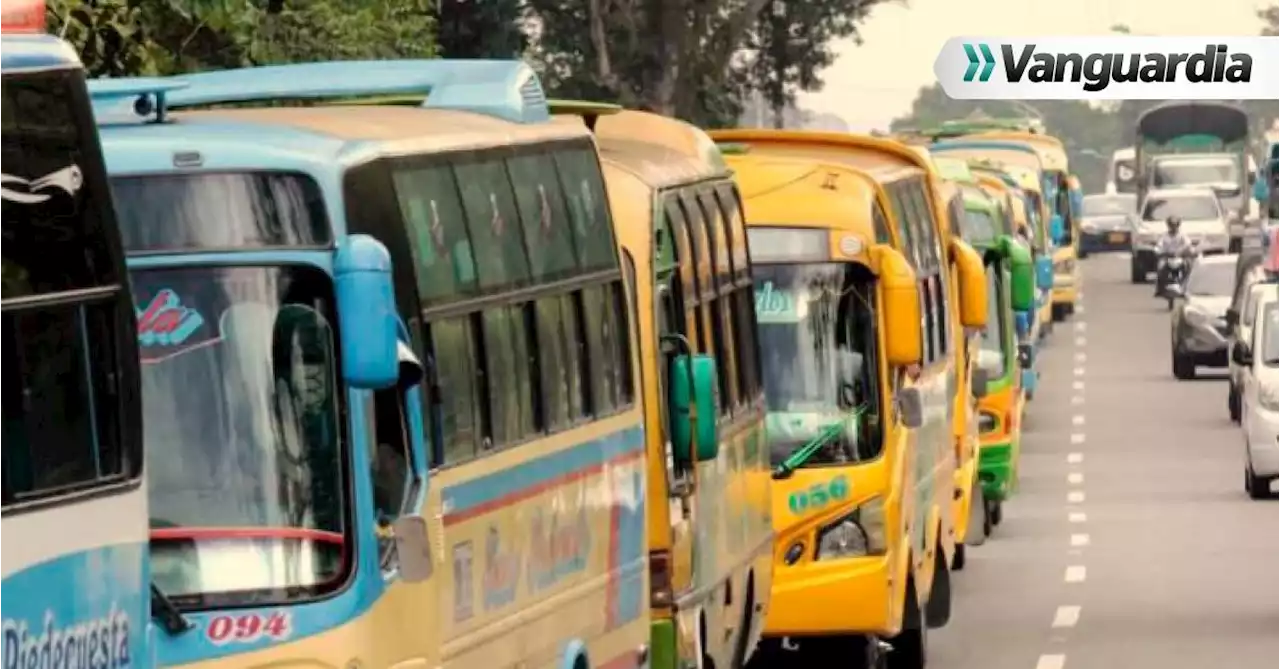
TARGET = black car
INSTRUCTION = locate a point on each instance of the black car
(1107, 222)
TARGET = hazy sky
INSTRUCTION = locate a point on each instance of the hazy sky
(868, 94)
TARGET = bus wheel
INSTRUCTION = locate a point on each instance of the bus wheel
(997, 513)
(978, 529)
(938, 609)
(911, 644)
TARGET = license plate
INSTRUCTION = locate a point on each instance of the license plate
(1116, 237)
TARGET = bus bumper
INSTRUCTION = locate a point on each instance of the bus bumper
(849, 596)
(996, 469)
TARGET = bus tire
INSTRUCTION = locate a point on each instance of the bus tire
(741, 652)
(978, 528)
(910, 646)
(938, 609)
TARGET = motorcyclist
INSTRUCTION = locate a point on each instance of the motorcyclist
(1172, 244)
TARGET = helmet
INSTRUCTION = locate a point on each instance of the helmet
(1173, 223)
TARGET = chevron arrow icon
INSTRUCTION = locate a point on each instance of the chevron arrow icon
(988, 62)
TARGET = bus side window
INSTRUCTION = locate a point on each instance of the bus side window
(493, 223)
(688, 269)
(507, 376)
(456, 363)
(880, 223)
(391, 465)
(61, 418)
(937, 281)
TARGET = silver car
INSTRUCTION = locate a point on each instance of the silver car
(1199, 331)
(1203, 221)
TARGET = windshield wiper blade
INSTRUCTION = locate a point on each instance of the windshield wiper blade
(167, 614)
(802, 454)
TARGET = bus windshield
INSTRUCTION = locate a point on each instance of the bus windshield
(979, 227)
(817, 342)
(241, 404)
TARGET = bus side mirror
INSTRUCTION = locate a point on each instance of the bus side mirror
(1044, 272)
(1022, 275)
(693, 408)
(1057, 228)
(910, 407)
(1232, 317)
(902, 314)
(1260, 190)
(413, 549)
(973, 285)
(367, 313)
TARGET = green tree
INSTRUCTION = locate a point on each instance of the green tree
(1270, 17)
(791, 43)
(162, 37)
(675, 57)
(480, 28)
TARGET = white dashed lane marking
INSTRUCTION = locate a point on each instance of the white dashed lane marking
(1051, 662)
(1076, 573)
(1075, 497)
(1066, 616)
(1077, 517)
(1075, 478)
(1077, 385)
(1077, 419)
(1079, 540)
(1077, 438)
(1075, 458)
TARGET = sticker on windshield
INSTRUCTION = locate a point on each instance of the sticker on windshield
(776, 306)
(166, 327)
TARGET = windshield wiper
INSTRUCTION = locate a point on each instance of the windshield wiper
(802, 453)
(167, 614)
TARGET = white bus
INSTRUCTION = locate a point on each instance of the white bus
(74, 511)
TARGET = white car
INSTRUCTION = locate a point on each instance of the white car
(1203, 221)
(1259, 395)
(1240, 318)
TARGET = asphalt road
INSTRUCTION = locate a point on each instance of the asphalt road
(1131, 543)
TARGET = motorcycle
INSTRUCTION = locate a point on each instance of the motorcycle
(1174, 269)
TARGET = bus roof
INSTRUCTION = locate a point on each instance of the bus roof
(880, 158)
(313, 139)
(1004, 153)
(662, 152)
(1053, 155)
(20, 52)
(955, 169)
(804, 193)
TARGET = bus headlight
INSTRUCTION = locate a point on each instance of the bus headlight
(858, 534)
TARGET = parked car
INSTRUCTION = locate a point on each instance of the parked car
(1259, 357)
(1198, 327)
(1250, 282)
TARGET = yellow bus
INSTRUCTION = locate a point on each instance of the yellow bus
(903, 478)
(680, 230)
(967, 516)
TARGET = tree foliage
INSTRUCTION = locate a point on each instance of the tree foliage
(480, 28)
(694, 59)
(791, 43)
(160, 37)
(1270, 18)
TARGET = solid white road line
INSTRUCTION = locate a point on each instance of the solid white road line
(1075, 574)
(1079, 540)
(1066, 616)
